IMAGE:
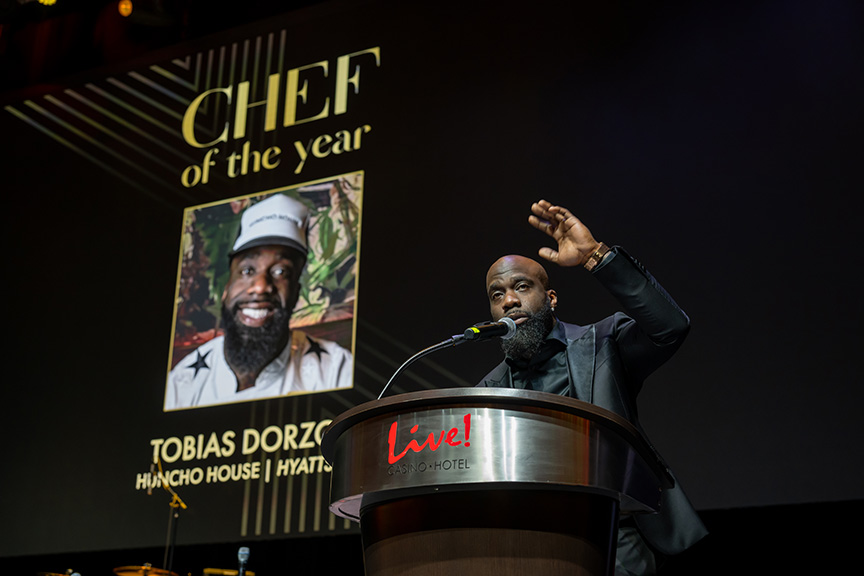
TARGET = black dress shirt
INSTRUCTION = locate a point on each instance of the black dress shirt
(547, 370)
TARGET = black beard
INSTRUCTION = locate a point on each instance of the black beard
(530, 334)
(249, 350)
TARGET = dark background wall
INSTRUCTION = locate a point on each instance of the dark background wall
(719, 142)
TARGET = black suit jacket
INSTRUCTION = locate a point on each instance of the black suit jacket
(608, 362)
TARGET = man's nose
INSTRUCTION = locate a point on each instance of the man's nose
(260, 284)
(511, 301)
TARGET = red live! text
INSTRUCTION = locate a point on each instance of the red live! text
(445, 437)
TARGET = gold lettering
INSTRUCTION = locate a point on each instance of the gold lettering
(321, 146)
(243, 106)
(188, 125)
(273, 152)
(340, 98)
(343, 142)
(292, 93)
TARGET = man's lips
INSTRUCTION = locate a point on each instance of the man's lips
(518, 318)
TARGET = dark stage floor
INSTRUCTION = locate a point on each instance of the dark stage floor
(795, 539)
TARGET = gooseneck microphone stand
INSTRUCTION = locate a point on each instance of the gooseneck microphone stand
(505, 328)
(452, 341)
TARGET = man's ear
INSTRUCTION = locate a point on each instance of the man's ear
(553, 297)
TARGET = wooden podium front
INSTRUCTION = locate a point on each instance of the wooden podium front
(488, 482)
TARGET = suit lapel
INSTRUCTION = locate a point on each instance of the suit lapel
(580, 360)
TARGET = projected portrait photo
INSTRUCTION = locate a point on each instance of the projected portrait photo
(265, 297)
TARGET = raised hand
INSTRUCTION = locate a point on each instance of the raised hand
(575, 242)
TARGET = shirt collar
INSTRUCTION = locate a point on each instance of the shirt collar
(555, 342)
(558, 332)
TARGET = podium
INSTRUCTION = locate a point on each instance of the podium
(489, 481)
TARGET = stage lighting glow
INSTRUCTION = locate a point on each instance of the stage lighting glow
(47, 2)
(124, 7)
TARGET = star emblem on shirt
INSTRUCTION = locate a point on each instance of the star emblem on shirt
(200, 362)
(315, 348)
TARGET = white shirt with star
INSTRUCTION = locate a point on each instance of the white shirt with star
(203, 378)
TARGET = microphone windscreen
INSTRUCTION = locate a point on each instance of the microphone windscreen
(511, 327)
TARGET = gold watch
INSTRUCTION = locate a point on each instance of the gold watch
(596, 257)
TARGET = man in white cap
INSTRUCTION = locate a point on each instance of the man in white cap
(259, 356)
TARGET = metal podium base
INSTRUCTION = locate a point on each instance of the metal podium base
(491, 533)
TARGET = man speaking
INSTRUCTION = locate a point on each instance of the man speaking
(260, 356)
(603, 363)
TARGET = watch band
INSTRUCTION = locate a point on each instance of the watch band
(596, 257)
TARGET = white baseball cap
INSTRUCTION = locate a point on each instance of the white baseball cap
(278, 220)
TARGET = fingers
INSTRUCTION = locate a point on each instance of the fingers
(550, 212)
(548, 254)
(542, 225)
(545, 217)
(552, 219)
(574, 241)
(542, 209)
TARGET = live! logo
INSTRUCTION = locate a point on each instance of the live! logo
(444, 437)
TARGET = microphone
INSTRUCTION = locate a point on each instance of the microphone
(505, 328)
(243, 557)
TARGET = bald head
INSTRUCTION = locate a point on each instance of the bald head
(517, 286)
(512, 263)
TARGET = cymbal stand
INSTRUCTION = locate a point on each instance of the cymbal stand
(173, 519)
